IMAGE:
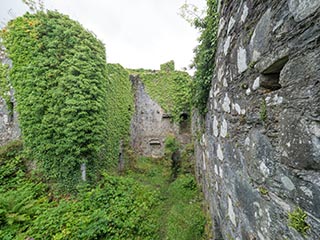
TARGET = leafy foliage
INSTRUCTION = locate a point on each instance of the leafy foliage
(263, 111)
(34, 5)
(297, 220)
(120, 108)
(171, 144)
(11, 164)
(205, 56)
(179, 213)
(59, 75)
(191, 13)
(185, 218)
(117, 208)
(5, 84)
(168, 66)
(171, 89)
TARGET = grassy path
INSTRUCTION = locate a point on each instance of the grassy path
(179, 213)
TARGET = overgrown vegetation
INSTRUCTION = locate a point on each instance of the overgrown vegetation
(74, 111)
(144, 204)
(204, 61)
(4, 84)
(180, 214)
(171, 89)
(168, 66)
(263, 111)
(297, 220)
(117, 208)
(120, 108)
(73, 108)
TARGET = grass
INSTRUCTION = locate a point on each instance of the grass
(180, 212)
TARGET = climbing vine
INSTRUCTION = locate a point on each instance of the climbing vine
(204, 56)
(119, 110)
(59, 75)
(5, 84)
(169, 88)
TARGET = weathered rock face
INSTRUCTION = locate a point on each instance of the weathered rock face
(9, 127)
(259, 157)
(150, 125)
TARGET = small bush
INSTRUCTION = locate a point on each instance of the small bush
(11, 164)
(171, 144)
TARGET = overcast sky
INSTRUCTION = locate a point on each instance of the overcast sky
(137, 33)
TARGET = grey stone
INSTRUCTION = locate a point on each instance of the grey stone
(150, 123)
(9, 125)
(260, 169)
(261, 36)
(301, 9)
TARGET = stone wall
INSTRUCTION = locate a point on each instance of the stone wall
(150, 125)
(259, 156)
(9, 127)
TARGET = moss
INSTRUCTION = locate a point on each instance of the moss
(263, 191)
(263, 111)
(244, 86)
(297, 220)
(252, 64)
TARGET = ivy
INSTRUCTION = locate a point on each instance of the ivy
(59, 75)
(168, 66)
(119, 110)
(169, 88)
(5, 85)
(205, 56)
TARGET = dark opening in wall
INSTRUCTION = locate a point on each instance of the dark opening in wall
(184, 123)
(11, 110)
(154, 142)
(270, 78)
(184, 116)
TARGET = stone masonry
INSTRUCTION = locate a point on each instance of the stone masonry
(9, 126)
(259, 156)
(150, 125)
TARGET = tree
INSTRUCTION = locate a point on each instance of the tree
(203, 61)
(34, 5)
(192, 14)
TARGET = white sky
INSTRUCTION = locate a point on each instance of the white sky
(137, 33)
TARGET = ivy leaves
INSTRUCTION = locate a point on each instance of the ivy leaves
(204, 57)
(59, 74)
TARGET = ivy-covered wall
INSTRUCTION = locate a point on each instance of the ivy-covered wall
(4, 82)
(59, 75)
(120, 108)
(9, 126)
(204, 60)
(169, 88)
